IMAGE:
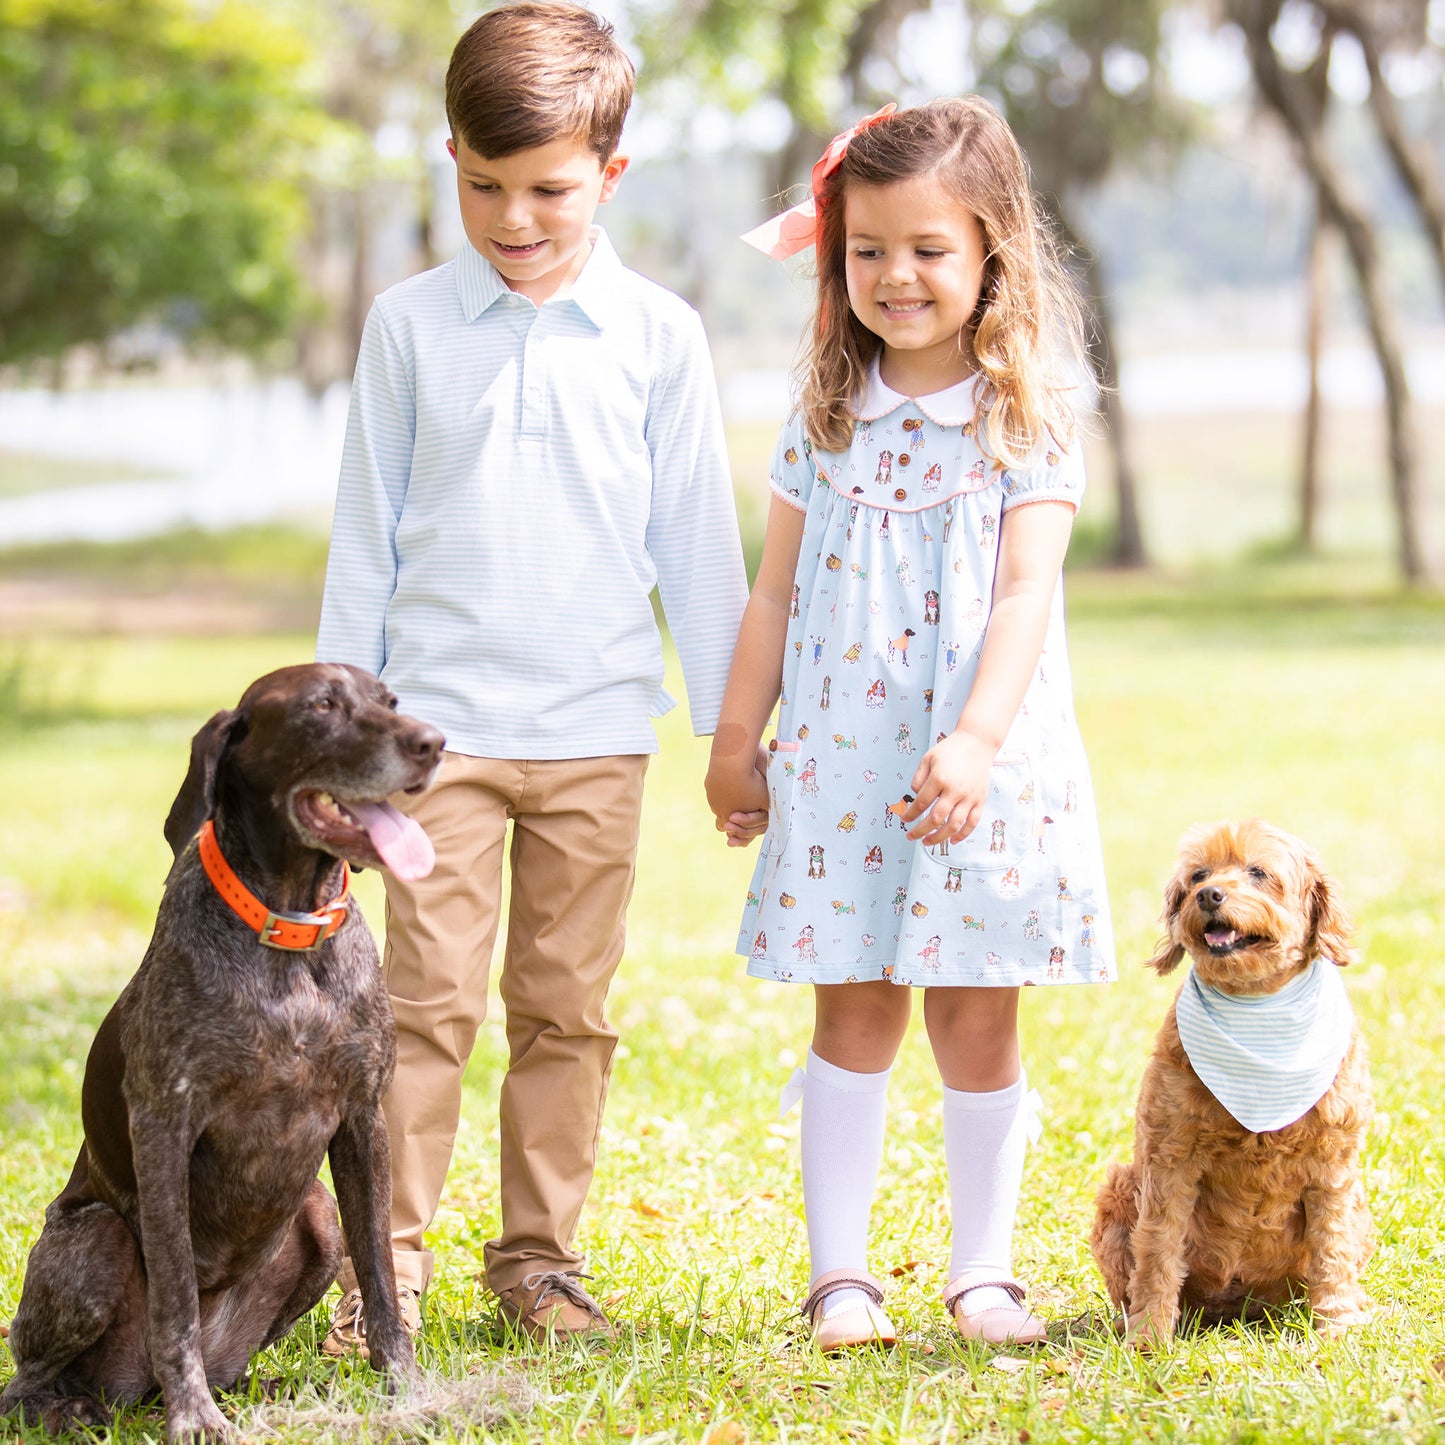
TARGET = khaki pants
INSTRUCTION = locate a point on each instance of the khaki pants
(573, 857)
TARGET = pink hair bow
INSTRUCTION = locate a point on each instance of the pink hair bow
(796, 229)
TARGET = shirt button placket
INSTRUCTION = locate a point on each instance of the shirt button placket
(534, 426)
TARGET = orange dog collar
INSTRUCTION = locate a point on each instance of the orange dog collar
(297, 932)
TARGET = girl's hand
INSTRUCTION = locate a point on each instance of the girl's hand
(742, 828)
(949, 788)
(738, 798)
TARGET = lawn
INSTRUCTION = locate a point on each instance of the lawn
(1312, 701)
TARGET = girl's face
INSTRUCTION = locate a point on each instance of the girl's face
(914, 267)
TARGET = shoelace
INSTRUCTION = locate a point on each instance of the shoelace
(550, 1282)
(351, 1314)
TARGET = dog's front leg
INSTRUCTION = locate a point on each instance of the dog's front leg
(1338, 1237)
(162, 1151)
(1167, 1194)
(361, 1173)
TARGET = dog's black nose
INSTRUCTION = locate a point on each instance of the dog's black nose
(1209, 898)
(423, 742)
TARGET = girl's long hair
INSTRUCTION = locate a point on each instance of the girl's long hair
(1026, 337)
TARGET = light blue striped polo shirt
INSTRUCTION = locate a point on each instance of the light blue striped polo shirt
(516, 479)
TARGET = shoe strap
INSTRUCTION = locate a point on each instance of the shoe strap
(1011, 1286)
(550, 1282)
(831, 1287)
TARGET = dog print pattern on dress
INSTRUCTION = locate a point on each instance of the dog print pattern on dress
(894, 568)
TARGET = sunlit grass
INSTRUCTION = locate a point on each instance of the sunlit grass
(1199, 699)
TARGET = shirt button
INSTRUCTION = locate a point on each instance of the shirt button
(900, 494)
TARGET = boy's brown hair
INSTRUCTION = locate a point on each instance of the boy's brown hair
(537, 71)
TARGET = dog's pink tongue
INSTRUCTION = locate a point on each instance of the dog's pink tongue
(403, 845)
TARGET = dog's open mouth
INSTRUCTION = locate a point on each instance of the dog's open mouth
(367, 833)
(1222, 939)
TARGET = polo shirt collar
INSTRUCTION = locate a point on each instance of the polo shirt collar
(594, 292)
(951, 407)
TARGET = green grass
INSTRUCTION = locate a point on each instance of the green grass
(23, 472)
(1243, 693)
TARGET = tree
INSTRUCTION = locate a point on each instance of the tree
(1080, 83)
(383, 64)
(147, 172)
(1294, 97)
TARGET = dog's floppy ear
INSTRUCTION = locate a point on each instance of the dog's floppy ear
(196, 800)
(1330, 926)
(1166, 958)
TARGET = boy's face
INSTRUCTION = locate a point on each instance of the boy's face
(530, 213)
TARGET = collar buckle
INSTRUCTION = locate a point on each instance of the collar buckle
(289, 931)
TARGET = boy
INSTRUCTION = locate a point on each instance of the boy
(534, 441)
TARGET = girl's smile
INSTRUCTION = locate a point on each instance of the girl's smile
(915, 268)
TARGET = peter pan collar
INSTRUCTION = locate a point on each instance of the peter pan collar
(594, 292)
(951, 407)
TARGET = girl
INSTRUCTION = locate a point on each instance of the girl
(908, 608)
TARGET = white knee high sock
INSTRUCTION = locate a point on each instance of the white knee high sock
(985, 1137)
(842, 1138)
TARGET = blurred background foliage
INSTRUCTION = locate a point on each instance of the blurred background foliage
(188, 182)
(152, 155)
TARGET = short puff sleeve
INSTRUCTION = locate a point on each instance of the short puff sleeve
(1051, 474)
(792, 472)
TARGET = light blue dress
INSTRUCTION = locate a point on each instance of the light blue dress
(891, 602)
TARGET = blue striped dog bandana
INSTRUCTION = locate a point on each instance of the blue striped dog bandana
(1269, 1058)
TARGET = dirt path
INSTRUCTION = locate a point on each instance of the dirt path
(31, 606)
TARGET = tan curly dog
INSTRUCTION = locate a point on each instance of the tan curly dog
(1208, 1216)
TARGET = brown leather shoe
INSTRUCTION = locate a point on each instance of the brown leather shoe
(348, 1323)
(553, 1303)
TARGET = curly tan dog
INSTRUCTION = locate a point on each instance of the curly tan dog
(1211, 1216)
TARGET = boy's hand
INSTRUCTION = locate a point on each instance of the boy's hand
(739, 799)
(742, 828)
(949, 787)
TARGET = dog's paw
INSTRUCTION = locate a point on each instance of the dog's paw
(1149, 1334)
(202, 1424)
(399, 1373)
(1337, 1321)
(73, 1412)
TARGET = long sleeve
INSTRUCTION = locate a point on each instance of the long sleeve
(361, 569)
(692, 532)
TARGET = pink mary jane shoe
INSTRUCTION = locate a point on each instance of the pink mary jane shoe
(1000, 1324)
(864, 1324)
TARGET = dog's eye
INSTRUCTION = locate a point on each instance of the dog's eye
(1199, 875)
(1258, 874)
(322, 704)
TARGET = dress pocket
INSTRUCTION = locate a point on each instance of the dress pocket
(1007, 827)
(782, 770)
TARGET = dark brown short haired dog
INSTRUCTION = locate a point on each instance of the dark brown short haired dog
(193, 1230)
(1211, 1216)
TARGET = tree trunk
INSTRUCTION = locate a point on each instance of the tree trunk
(359, 297)
(1317, 311)
(1412, 164)
(1128, 548)
(1344, 211)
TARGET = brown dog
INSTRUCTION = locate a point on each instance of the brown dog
(193, 1230)
(1210, 1215)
